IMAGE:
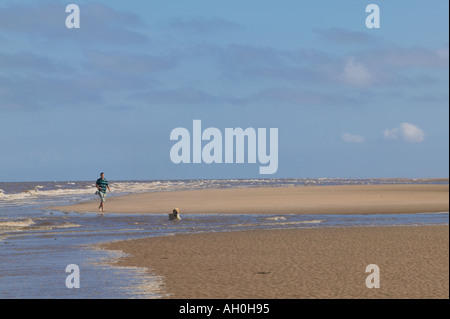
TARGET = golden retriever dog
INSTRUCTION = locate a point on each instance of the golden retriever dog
(175, 214)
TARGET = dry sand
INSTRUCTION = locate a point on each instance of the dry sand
(342, 199)
(298, 263)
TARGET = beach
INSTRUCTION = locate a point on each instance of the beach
(322, 262)
(335, 199)
(296, 263)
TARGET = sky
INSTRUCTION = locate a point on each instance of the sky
(348, 101)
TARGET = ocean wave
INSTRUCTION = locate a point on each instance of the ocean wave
(52, 225)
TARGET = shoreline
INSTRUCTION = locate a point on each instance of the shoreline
(307, 263)
(336, 199)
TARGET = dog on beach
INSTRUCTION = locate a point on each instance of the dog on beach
(175, 215)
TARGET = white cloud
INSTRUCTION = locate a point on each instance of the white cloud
(407, 132)
(390, 134)
(353, 138)
(355, 73)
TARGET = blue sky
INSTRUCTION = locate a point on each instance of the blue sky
(348, 101)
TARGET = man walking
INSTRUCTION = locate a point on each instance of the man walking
(101, 185)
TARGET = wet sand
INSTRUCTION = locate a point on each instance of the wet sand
(342, 199)
(298, 263)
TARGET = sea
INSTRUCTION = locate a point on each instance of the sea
(39, 246)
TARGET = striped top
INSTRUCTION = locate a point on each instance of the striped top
(102, 183)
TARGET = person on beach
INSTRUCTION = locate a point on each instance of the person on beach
(102, 184)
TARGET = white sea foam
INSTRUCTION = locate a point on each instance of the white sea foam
(276, 218)
(11, 224)
(314, 221)
(68, 225)
(55, 226)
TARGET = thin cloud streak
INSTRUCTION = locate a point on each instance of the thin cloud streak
(100, 24)
(344, 36)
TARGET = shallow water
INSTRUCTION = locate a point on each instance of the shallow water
(36, 244)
